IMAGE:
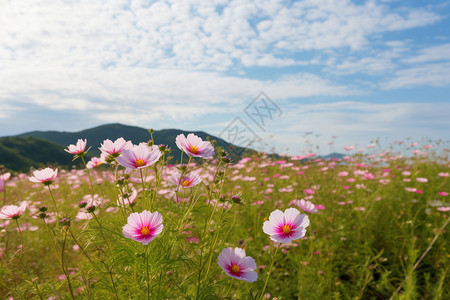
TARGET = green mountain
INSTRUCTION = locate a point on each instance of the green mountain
(41, 148)
(23, 153)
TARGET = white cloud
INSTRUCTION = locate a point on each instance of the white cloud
(436, 75)
(191, 34)
(355, 123)
(431, 54)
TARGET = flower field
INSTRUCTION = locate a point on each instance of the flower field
(134, 225)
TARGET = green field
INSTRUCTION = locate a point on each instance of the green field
(378, 213)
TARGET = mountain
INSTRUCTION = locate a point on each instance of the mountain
(22, 153)
(39, 148)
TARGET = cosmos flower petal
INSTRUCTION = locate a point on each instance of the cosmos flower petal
(143, 227)
(235, 264)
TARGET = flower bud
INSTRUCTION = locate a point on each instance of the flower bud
(236, 199)
(91, 208)
(65, 222)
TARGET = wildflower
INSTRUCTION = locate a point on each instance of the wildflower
(443, 208)
(421, 179)
(5, 176)
(287, 226)
(188, 180)
(304, 205)
(11, 211)
(443, 194)
(138, 157)
(44, 176)
(111, 150)
(77, 149)
(143, 227)
(194, 146)
(309, 191)
(235, 264)
(94, 162)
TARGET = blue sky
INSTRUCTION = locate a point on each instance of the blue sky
(358, 70)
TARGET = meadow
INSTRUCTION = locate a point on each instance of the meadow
(134, 226)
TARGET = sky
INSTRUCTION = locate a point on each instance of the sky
(280, 75)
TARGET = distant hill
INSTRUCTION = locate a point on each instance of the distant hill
(39, 148)
(22, 153)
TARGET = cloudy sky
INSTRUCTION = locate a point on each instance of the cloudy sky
(358, 70)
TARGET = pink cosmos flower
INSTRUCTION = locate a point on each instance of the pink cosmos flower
(442, 174)
(342, 174)
(235, 264)
(138, 157)
(429, 146)
(194, 146)
(77, 149)
(2, 185)
(111, 150)
(348, 148)
(319, 206)
(287, 226)
(309, 191)
(12, 211)
(5, 176)
(143, 227)
(443, 208)
(420, 179)
(443, 194)
(44, 176)
(93, 163)
(304, 205)
(188, 180)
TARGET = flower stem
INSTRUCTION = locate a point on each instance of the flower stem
(62, 264)
(143, 187)
(268, 274)
(54, 203)
(22, 260)
(90, 179)
(148, 274)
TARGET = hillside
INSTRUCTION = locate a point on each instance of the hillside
(41, 148)
(22, 153)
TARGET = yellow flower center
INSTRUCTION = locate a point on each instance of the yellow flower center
(235, 269)
(193, 149)
(140, 163)
(286, 229)
(185, 183)
(145, 230)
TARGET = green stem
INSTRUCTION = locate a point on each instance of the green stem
(62, 264)
(143, 188)
(81, 247)
(148, 273)
(199, 274)
(216, 235)
(109, 250)
(54, 203)
(53, 241)
(22, 260)
(90, 179)
(268, 274)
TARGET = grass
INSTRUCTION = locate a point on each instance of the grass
(364, 244)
